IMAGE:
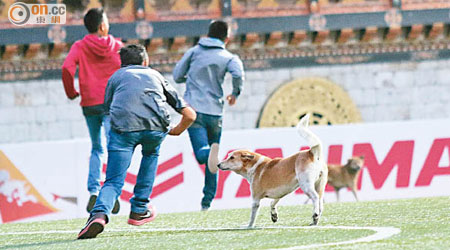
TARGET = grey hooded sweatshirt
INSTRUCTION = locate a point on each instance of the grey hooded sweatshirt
(203, 68)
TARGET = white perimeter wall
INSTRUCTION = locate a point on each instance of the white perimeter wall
(39, 110)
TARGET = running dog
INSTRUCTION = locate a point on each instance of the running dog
(275, 178)
(340, 176)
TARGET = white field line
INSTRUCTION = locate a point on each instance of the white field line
(380, 233)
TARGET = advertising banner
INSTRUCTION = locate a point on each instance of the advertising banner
(48, 180)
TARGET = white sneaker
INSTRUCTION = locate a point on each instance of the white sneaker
(213, 158)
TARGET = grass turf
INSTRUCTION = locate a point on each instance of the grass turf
(424, 224)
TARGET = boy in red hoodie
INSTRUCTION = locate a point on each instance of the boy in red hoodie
(97, 58)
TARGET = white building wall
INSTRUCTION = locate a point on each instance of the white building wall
(39, 110)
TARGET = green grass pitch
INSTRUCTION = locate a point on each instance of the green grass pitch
(424, 224)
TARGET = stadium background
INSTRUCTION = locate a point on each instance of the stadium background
(380, 60)
(350, 61)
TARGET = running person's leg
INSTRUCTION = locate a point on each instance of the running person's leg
(150, 141)
(120, 151)
(198, 135)
(107, 129)
(214, 128)
(214, 131)
(94, 123)
(141, 211)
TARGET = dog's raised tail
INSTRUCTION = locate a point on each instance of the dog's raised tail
(314, 142)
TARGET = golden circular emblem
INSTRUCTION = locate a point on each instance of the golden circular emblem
(327, 102)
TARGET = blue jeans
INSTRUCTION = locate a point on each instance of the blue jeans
(120, 150)
(206, 130)
(94, 123)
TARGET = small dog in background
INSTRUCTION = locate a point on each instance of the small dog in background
(340, 176)
(275, 178)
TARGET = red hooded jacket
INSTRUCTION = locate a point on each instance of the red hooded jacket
(97, 59)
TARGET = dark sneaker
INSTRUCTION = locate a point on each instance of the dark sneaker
(116, 207)
(205, 204)
(137, 219)
(91, 203)
(95, 225)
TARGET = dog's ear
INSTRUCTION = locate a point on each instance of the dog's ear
(358, 157)
(247, 156)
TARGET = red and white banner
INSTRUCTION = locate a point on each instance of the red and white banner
(48, 180)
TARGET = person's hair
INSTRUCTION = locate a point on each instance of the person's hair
(218, 29)
(93, 19)
(133, 54)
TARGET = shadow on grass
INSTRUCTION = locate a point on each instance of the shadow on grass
(41, 244)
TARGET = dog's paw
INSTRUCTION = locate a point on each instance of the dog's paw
(315, 218)
(274, 217)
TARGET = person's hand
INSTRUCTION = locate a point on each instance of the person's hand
(231, 100)
(175, 131)
(73, 97)
(188, 117)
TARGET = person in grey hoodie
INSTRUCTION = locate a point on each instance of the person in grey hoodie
(137, 99)
(203, 68)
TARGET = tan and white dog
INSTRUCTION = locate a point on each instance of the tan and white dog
(275, 178)
(340, 176)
